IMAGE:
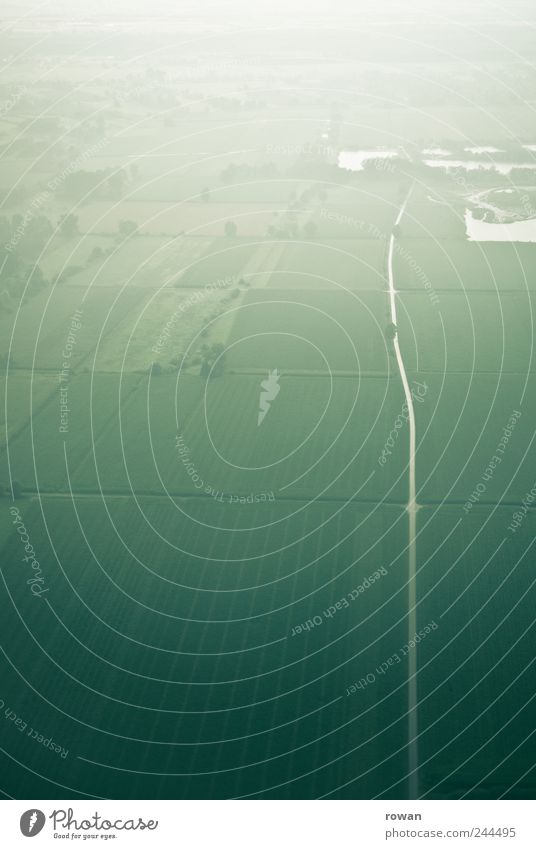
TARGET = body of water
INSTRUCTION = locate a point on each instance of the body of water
(484, 231)
(353, 160)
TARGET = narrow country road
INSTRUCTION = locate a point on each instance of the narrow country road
(413, 725)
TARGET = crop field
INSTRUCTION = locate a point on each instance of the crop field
(245, 735)
(331, 450)
(161, 327)
(213, 139)
(477, 580)
(6, 526)
(451, 125)
(222, 261)
(345, 331)
(356, 214)
(136, 449)
(24, 393)
(339, 263)
(434, 216)
(128, 442)
(267, 446)
(142, 261)
(41, 329)
(173, 219)
(460, 266)
(473, 331)
(499, 460)
(43, 456)
(63, 253)
(191, 187)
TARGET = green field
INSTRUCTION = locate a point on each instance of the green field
(186, 186)
(24, 393)
(467, 332)
(222, 262)
(449, 467)
(163, 326)
(37, 334)
(142, 695)
(338, 264)
(426, 218)
(461, 266)
(331, 449)
(142, 261)
(136, 451)
(313, 330)
(476, 688)
(122, 437)
(173, 219)
(235, 520)
(43, 456)
(65, 253)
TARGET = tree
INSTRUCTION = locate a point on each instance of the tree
(127, 228)
(68, 225)
(116, 184)
(213, 360)
(293, 229)
(95, 254)
(230, 229)
(180, 360)
(37, 233)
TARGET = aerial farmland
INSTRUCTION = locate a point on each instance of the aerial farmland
(267, 348)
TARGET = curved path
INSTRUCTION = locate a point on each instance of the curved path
(412, 507)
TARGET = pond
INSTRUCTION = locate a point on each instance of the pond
(485, 231)
(353, 160)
